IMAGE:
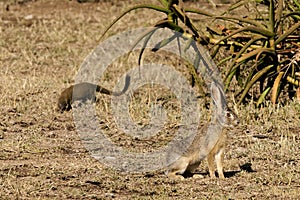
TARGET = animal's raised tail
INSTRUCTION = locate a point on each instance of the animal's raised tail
(105, 91)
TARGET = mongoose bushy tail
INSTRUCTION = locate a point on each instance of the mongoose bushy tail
(84, 91)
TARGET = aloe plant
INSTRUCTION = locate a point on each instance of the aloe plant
(266, 41)
(268, 44)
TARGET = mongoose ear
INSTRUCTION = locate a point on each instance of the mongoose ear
(218, 96)
(219, 103)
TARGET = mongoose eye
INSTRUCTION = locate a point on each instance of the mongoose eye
(229, 115)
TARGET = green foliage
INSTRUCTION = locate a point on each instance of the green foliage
(268, 42)
(267, 51)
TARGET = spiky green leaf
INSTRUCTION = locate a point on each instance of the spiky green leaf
(263, 96)
(148, 6)
(253, 81)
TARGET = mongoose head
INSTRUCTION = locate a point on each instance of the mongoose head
(63, 105)
(64, 100)
(232, 119)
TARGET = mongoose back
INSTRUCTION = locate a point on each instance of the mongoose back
(84, 91)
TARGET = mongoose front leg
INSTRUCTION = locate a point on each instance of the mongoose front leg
(210, 162)
(219, 160)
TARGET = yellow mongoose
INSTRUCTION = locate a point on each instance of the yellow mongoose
(84, 91)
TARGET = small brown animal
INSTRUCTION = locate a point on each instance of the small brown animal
(199, 149)
(84, 91)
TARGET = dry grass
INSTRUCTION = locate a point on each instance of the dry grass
(42, 45)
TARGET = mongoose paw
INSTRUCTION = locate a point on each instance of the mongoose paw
(198, 176)
(176, 177)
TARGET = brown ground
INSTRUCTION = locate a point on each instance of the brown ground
(43, 43)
